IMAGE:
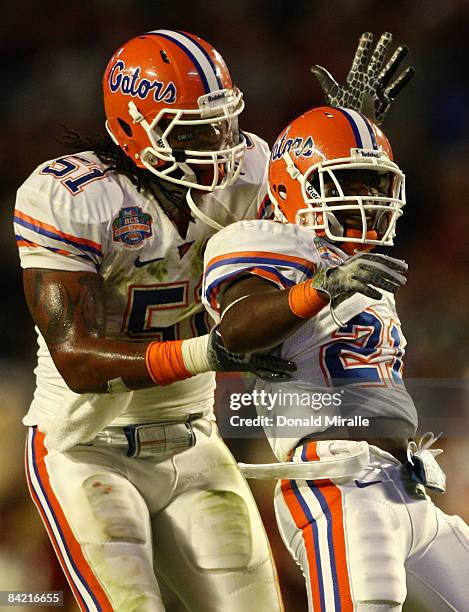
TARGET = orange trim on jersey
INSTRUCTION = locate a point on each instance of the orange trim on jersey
(165, 362)
(72, 543)
(51, 228)
(264, 254)
(33, 245)
(302, 523)
(267, 275)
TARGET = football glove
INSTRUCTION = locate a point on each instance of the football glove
(363, 273)
(266, 367)
(369, 87)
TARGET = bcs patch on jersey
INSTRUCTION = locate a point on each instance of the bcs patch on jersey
(326, 254)
(131, 227)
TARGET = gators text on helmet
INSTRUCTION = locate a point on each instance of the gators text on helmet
(332, 170)
(171, 106)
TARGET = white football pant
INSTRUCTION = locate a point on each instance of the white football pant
(113, 519)
(373, 542)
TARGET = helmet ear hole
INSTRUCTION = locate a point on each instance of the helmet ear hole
(157, 99)
(282, 192)
(125, 126)
(164, 56)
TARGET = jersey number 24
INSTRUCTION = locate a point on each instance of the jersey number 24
(367, 350)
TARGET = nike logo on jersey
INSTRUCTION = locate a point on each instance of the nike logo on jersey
(362, 485)
(139, 263)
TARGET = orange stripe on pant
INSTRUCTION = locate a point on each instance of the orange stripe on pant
(331, 499)
(311, 451)
(307, 532)
(75, 551)
(57, 550)
(333, 496)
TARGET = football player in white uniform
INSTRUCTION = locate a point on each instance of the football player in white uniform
(123, 458)
(350, 503)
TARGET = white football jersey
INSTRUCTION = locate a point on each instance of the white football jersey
(364, 356)
(71, 215)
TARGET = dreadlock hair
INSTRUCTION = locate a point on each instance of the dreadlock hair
(117, 161)
(110, 154)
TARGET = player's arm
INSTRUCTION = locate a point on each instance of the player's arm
(69, 310)
(256, 315)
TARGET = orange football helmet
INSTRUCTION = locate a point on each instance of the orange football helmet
(171, 106)
(332, 170)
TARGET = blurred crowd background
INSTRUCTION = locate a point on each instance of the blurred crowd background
(53, 55)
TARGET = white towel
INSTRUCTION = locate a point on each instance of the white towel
(351, 457)
(353, 306)
(82, 416)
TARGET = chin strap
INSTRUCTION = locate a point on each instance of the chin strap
(198, 213)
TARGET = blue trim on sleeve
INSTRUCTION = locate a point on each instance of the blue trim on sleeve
(56, 236)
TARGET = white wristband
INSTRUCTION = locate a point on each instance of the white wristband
(194, 353)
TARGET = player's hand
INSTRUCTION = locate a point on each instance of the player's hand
(370, 87)
(364, 273)
(267, 367)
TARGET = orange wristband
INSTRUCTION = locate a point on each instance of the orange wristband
(304, 301)
(165, 363)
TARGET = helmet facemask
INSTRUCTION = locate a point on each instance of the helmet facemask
(201, 149)
(353, 200)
